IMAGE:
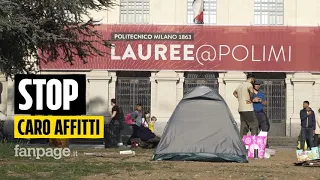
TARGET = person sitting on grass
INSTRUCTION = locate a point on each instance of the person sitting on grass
(146, 119)
(151, 123)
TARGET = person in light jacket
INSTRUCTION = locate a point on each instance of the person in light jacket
(317, 131)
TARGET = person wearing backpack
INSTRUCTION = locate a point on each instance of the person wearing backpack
(117, 118)
(134, 119)
(137, 115)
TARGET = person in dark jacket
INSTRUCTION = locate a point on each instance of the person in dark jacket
(308, 125)
(117, 117)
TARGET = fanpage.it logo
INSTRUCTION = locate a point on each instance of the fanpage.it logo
(57, 108)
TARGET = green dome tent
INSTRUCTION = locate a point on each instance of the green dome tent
(201, 128)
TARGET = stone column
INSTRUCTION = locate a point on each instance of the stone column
(233, 79)
(3, 99)
(10, 99)
(316, 92)
(180, 86)
(302, 91)
(153, 108)
(99, 93)
(76, 72)
(8, 125)
(87, 94)
(166, 99)
(112, 87)
(289, 102)
(222, 85)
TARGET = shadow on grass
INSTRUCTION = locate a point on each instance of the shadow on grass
(65, 170)
(23, 168)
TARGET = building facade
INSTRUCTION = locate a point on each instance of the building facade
(159, 90)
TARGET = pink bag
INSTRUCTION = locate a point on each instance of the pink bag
(128, 119)
(255, 142)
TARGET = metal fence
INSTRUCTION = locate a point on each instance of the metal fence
(194, 79)
(129, 92)
(275, 92)
(133, 90)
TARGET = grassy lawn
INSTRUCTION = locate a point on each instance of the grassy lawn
(115, 166)
(12, 167)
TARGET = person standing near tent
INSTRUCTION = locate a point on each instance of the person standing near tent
(244, 93)
(117, 118)
(137, 122)
(308, 125)
(137, 115)
(263, 120)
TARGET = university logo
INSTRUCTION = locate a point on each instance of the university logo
(53, 106)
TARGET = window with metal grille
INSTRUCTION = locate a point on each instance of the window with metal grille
(134, 11)
(268, 12)
(133, 87)
(194, 79)
(209, 13)
(274, 88)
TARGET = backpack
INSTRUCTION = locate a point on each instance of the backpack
(128, 119)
